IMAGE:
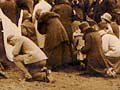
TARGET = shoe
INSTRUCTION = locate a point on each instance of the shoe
(28, 76)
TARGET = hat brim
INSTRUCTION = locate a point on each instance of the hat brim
(102, 17)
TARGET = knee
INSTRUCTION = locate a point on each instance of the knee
(42, 63)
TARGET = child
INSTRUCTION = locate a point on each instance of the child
(78, 42)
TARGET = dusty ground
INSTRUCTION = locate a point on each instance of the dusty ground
(68, 79)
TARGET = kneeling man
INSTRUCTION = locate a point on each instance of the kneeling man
(27, 55)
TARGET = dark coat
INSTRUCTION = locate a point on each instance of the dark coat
(9, 9)
(65, 12)
(95, 56)
(56, 42)
(78, 10)
(25, 4)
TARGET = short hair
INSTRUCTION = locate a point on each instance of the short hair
(102, 25)
(9, 38)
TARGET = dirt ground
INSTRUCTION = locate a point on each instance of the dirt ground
(69, 79)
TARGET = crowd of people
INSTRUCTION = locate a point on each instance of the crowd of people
(58, 33)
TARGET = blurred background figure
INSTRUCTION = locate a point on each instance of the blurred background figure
(27, 27)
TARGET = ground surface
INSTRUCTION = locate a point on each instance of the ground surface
(69, 79)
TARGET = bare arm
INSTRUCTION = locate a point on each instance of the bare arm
(17, 47)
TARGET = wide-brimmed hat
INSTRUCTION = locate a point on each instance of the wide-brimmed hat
(84, 26)
(107, 17)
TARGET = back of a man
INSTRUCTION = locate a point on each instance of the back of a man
(28, 56)
(93, 50)
(111, 45)
(26, 46)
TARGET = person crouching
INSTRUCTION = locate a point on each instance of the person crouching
(28, 57)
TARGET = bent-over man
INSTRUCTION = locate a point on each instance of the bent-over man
(27, 55)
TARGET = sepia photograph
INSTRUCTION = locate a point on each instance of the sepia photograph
(59, 44)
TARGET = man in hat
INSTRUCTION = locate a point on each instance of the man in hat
(106, 17)
(112, 26)
(96, 62)
(110, 43)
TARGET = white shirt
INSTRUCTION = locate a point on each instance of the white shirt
(110, 44)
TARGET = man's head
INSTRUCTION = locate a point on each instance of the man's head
(84, 26)
(102, 26)
(10, 40)
(106, 17)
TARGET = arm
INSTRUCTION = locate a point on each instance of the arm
(17, 47)
(85, 49)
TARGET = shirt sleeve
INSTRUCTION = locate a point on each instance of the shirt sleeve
(17, 47)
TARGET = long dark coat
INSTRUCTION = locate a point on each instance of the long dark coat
(95, 56)
(65, 12)
(56, 42)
